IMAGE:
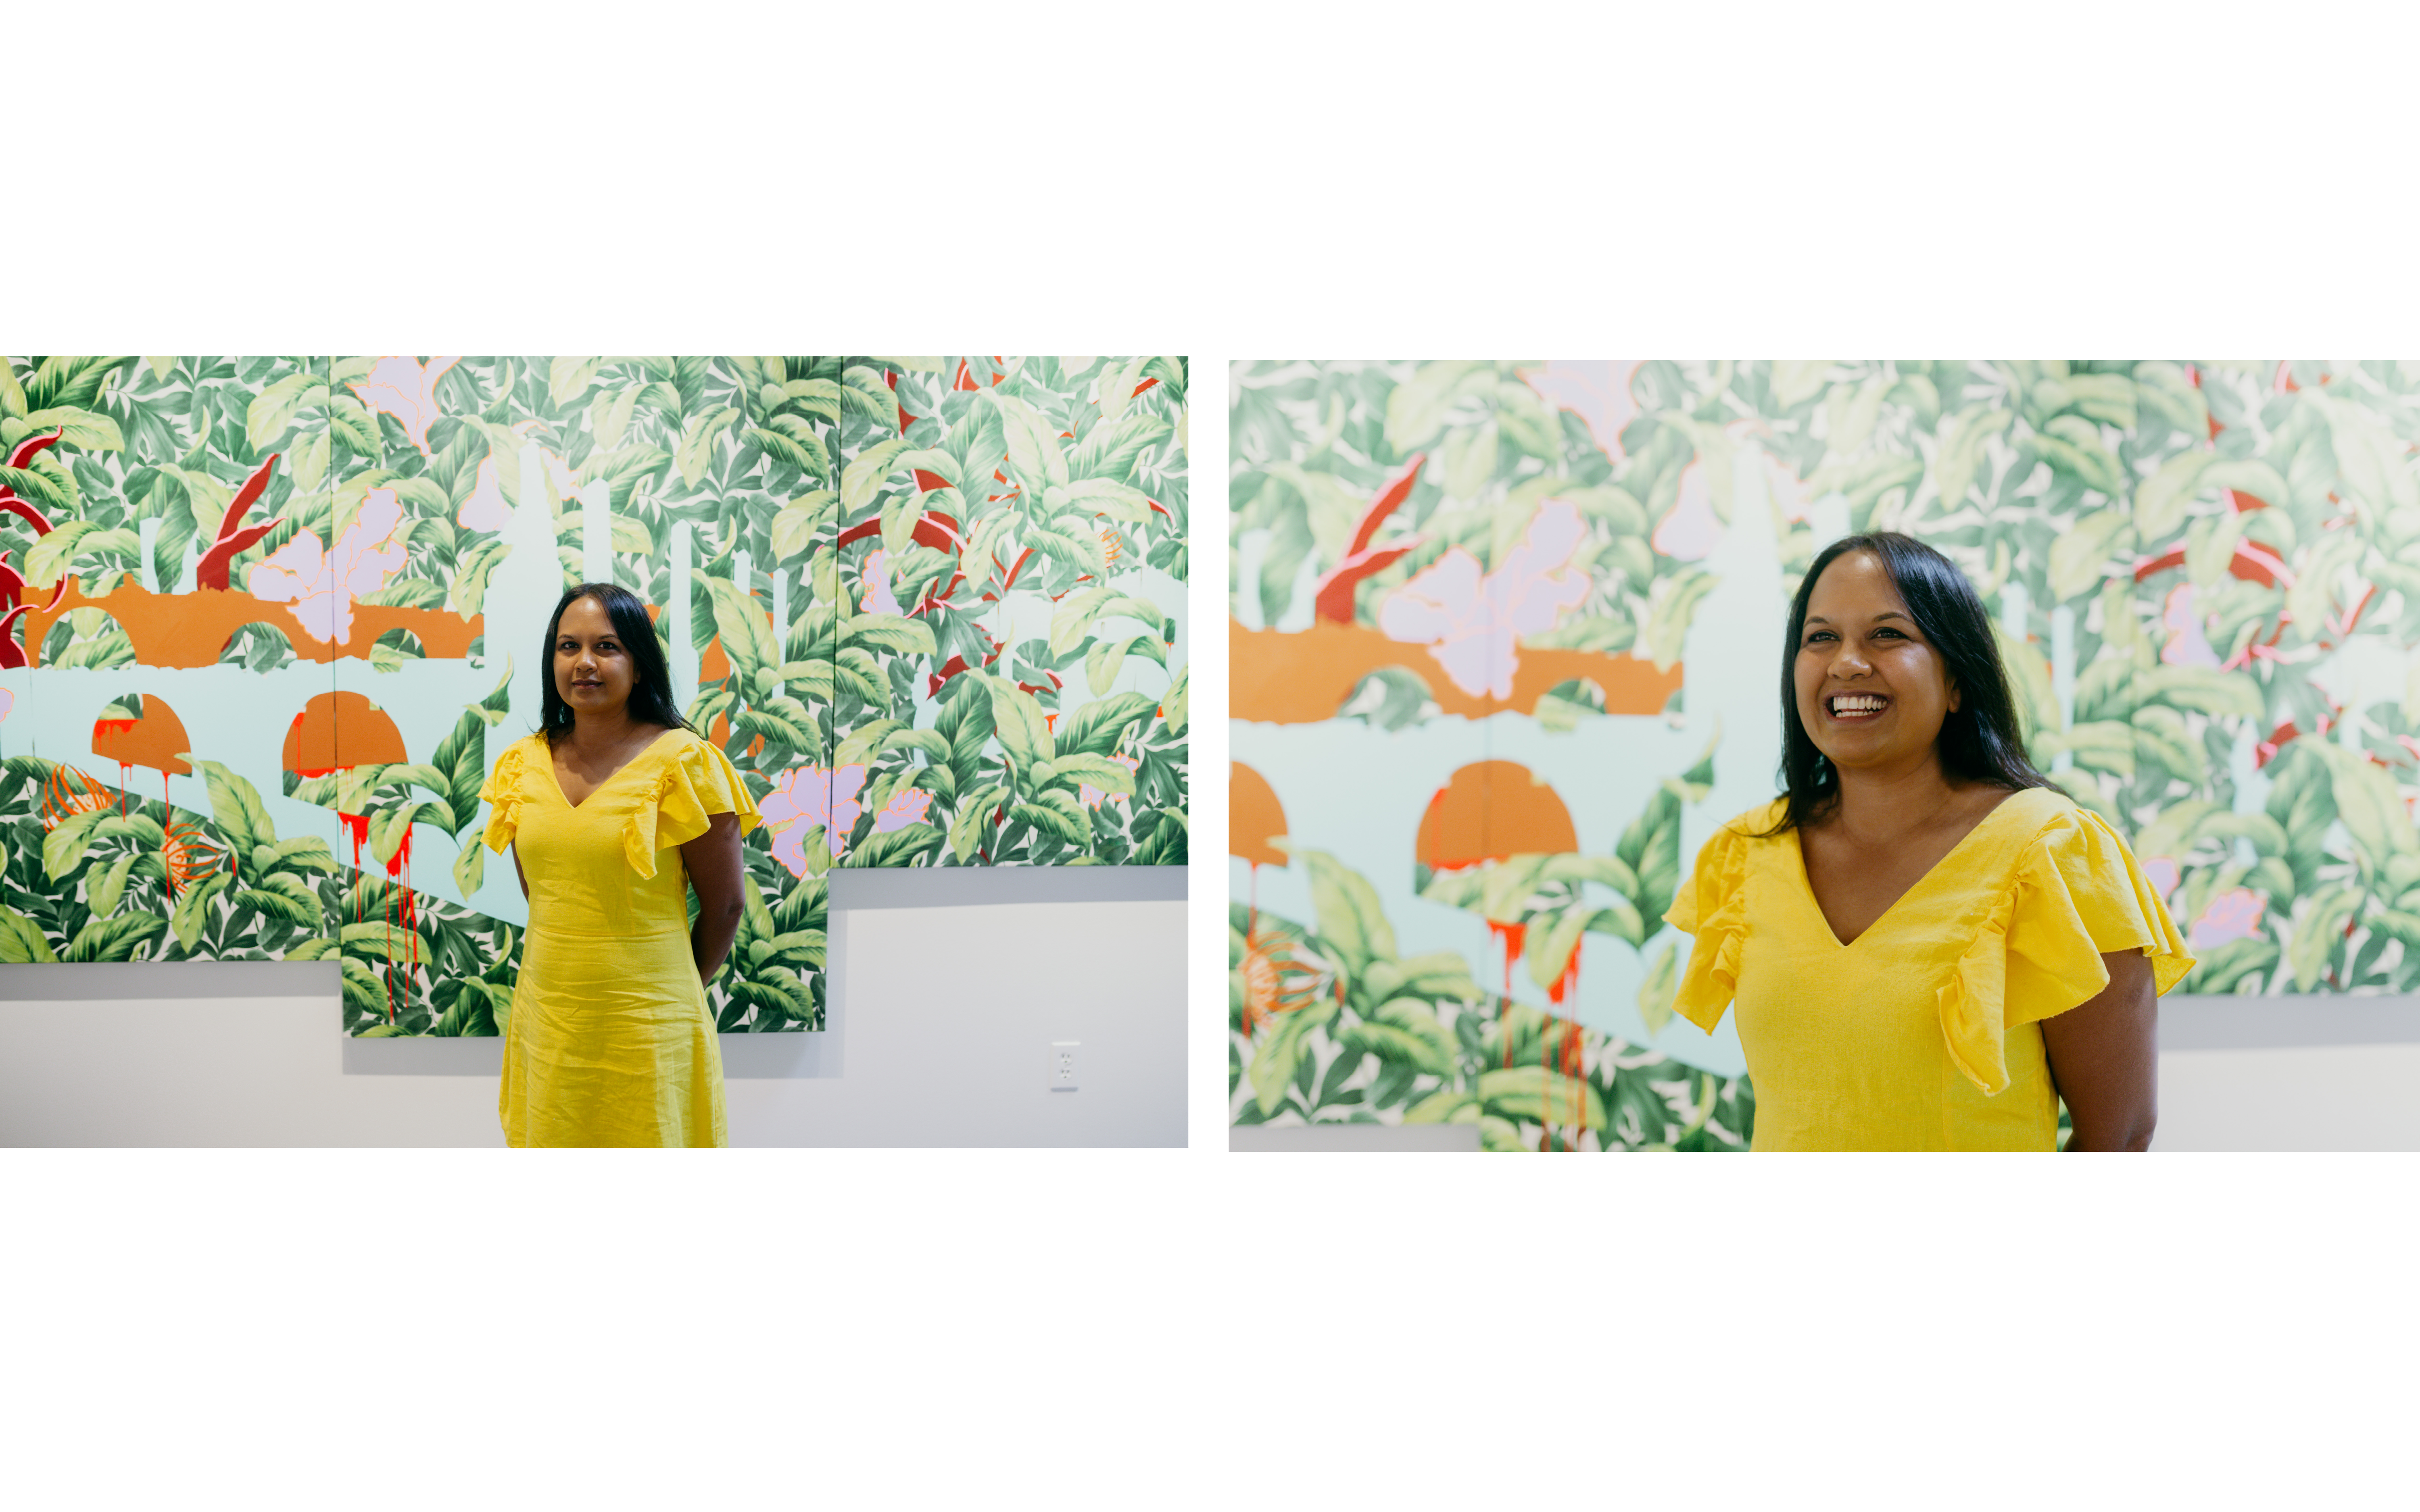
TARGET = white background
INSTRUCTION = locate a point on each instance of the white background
(394, 1328)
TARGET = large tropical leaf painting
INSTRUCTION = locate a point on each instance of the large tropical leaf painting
(264, 622)
(1504, 642)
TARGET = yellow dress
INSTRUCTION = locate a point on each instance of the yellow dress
(610, 1040)
(1925, 1031)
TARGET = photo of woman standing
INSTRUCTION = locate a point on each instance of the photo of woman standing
(614, 812)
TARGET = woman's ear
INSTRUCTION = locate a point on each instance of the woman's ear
(1954, 698)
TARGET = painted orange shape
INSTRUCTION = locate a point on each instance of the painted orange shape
(1490, 811)
(341, 730)
(156, 740)
(1254, 817)
(1304, 676)
(192, 629)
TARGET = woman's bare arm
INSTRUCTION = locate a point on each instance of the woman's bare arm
(716, 870)
(2105, 1058)
(516, 869)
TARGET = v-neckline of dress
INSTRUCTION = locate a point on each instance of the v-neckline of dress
(1807, 884)
(556, 777)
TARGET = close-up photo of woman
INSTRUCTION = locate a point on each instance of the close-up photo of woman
(1926, 943)
(2082, 820)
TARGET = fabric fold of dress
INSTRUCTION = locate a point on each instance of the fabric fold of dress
(1923, 1032)
(610, 1040)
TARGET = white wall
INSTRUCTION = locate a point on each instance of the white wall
(941, 1020)
(2290, 1097)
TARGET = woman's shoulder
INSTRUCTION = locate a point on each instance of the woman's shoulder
(683, 758)
(2036, 817)
(681, 744)
(1758, 823)
(529, 750)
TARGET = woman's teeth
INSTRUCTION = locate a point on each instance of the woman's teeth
(1855, 705)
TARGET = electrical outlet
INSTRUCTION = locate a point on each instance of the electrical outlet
(1062, 1064)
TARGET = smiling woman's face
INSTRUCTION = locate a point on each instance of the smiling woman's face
(1872, 691)
(593, 671)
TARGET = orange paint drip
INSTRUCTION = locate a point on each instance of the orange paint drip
(1512, 935)
(1576, 1067)
(1568, 980)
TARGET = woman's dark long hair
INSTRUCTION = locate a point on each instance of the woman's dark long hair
(1981, 740)
(651, 691)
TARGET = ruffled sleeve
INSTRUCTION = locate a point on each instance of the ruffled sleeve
(2075, 895)
(693, 782)
(502, 793)
(1711, 906)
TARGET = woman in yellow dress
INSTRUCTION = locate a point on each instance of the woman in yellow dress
(613, 810)
(1928, 944)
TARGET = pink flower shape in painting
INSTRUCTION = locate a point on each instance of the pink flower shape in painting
(1690, 530)
(1787, 488)
(878, 598)
(488, 509)
(2187, 645)
(1092, 796)
(2162, 874)
(805, 797)
(2231, 916)
(1470, 621)
(404, 389)
(906, 807)
(321, 585)
(7, 702)
(1598, 393)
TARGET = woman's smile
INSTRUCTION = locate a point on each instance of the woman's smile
(1863, 707)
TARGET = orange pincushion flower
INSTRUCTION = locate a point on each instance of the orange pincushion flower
(1277, 978)
(187, 856)
(69, 792)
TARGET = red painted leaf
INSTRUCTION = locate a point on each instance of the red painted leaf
(245, 497)
(1333, 600)
(25, 511)
(212, 573)
(1393, 494)
(26, 448)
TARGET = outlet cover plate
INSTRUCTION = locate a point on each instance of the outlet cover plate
(1064, 1064)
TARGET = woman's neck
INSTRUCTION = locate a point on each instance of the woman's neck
(1879, 802)
(603, 731)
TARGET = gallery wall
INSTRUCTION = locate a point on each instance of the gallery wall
(266, 623)
(1505, 638)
